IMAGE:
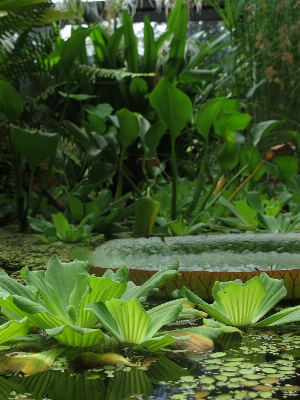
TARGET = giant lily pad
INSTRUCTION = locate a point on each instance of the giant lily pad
(203, 259)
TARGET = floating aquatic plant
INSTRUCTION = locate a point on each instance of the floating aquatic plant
(55, 300)
(244, 304)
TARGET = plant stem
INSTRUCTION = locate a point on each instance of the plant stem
(210, 191)
(200, 181)
(245, 181)
(174, 179)
(120, 176)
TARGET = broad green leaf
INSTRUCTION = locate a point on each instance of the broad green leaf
(231, 121)
(159, 278)
(241, 301)
(14, 287)
(97, 125)
(276, 291)
(207, 115)
(61, 224)
(157, 310)
(173, 106)
(233, 209)
(228, 155)
(101, 289)
(248, 213)
(146, 211)
(132, 320)
(150, 49)
(38, 315)
(210, 309)
(287, 167)
(249, 156)
(9, 308)
(156, 343)
(71, 335)
(51, 299)
(177, 23)
(62, 276)
(12, 329)
(129, 127)
(268, 222)
(164, 318)
(79, 96)
(154, 134)
(106, 319)
(197, 76)
(138, 89)
(72, 47)
(131, 52)
(113, 44)
(286, 316)
(101, 110)
(34, 147)
(261, 129)
(10, 101)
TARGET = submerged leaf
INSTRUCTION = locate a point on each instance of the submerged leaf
(91, 359)
(197, 343)
(28, 364)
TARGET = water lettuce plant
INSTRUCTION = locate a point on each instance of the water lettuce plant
(244, 304)
(67, 302)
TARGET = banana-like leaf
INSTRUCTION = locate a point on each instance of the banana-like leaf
(242, 304)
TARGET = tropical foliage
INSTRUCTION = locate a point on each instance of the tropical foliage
(69, 303)
(244, 304)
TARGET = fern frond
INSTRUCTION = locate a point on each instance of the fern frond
(65, 148)
(118, 74)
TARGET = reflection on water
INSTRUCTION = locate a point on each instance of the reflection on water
(257, 365)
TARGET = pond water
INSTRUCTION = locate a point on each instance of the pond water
(259, 364)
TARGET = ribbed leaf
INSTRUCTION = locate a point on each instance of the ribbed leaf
(11, 329)
(286, 316)
(106, 319)
(276, 291)
(159, 278)
(156, 343)
(71, 335)
(131, 318)
(157, 321)
(241, 301)
(210, 309)
(102, 289)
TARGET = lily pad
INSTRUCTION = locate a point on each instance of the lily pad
(203, 259)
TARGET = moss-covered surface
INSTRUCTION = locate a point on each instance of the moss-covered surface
(18, 250)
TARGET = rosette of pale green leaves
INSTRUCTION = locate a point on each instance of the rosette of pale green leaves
(61, 301)
(244, 304)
